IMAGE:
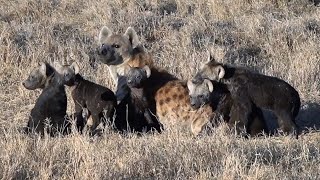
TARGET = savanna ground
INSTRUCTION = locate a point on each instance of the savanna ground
(278, 38)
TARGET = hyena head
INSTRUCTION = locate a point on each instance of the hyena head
(136, 76)
(67, 72)
(211, 70)
(199, 93)
(39, 77)
(115, 49)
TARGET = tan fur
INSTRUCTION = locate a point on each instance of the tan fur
(172, 100)
(173, 104)
(130, 59)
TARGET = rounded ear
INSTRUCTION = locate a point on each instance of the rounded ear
(43, 68)
(104, 33)
(148, 70)
(221, 72)
(133, 37)
(75, 67)
(209, 84)
(190, 86)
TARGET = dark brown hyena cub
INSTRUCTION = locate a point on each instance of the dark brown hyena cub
(201, 94)
(98, 100)
(52, 102)
(250, 89)
(141, 113)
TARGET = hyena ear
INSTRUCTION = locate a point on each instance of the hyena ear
(133, 37)
(148, 71)
(104, 33)
(210, 57)
(43, 68)
(209, 84)
(220, 71)
(190, 86)
(75, 67)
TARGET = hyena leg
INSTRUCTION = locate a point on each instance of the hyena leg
(258, 124)
(240, 116)
(95, 121)
(198, 124)
(286, 122)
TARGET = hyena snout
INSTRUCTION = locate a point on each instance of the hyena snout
(133, 83)
(106, 50)
(195, 104)
(31, 85)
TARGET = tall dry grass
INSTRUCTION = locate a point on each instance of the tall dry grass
(278, 38)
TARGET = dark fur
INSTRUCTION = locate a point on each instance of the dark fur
(134, 114)
(135, 109)
(95, 98)
(52, 104)
(221, 102)
(251, 90)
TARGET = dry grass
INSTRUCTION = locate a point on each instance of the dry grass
(277, 38)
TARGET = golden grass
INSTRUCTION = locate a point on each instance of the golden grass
(277, 38)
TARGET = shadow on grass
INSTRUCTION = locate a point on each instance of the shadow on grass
(308, 118)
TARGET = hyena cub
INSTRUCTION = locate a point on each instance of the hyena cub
(141, 111)
(52, 102)
(98, 100)
(249, 89)
(201, 94)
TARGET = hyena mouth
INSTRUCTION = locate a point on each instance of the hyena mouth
(110, 59)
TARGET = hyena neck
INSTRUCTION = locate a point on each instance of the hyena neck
(78, 80)
(139, 98)
(229, 72)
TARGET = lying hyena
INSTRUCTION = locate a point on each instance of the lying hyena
(52, 102)
(169, 94)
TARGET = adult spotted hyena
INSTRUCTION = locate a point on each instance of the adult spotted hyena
(170, 95)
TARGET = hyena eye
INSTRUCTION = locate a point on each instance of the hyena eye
(116, 45)
(102, 45)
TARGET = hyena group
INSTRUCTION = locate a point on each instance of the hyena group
(150, 98)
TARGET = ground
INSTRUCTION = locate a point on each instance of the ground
(277, 38)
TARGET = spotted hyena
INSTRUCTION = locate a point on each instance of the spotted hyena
(120, 52)
(51, 104)
(98, 101)
(250, 89)
(221, 102)
(169, 94)
(143, 112)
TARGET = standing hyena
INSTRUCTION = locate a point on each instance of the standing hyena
(169, 94)
(250, 89)
(99, 101)
(201, 94)
(52, 102)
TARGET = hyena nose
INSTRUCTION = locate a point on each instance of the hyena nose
(104, 51)
(193, 104)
